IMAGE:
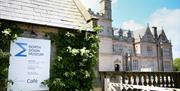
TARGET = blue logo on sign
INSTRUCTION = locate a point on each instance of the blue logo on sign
(22, 52)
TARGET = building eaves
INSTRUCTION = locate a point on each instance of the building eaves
(56, 13)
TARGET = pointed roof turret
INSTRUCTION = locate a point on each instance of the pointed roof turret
(148, 31)
(162, 36)
(148, 36)
(120, 32)
(129, 34)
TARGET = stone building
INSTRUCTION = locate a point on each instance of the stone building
(128, 51)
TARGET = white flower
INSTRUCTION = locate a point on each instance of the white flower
(83, 51)
(87, 74)
(70, 34)
(66, 74)
(7, 31)
(75, 51)
(15, 36)
(59, 58)
(69, 49)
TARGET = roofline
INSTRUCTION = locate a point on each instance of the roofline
(43, 25)
(83, 10)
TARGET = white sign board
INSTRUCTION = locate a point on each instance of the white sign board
(29, 64)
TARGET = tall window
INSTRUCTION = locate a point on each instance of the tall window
(117, 49)
(149, 51)
(166, 52)
(167, 66)
(135, 65)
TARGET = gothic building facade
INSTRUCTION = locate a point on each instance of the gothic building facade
(141, 50)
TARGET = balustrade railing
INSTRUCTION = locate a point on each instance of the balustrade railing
(155, 79)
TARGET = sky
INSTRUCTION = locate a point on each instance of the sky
(136, 14)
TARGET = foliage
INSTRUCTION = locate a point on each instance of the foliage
(176, 64)
(76, 57)
(8, 32)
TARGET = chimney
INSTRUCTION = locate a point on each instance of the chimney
(155, 32)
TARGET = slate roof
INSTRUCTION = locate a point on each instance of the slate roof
(163, 37)
(141, 32)
(148, 36)
(57, 13)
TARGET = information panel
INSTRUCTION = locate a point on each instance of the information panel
(29, 64)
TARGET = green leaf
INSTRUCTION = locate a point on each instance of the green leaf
(76, 56)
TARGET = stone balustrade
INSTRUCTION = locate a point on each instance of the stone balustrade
(156, 79)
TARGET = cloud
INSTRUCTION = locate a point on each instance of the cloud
(169, 19)
(114, 1)
(132, 25)
(94, 4)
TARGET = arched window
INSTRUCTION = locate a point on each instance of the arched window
(116, 67)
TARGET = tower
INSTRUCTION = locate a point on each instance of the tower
(120, 33)
(129, 34)
(105, 20)
(165, 55)
(106, 42)
(105, 8)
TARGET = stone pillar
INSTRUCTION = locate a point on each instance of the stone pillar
(106, 84)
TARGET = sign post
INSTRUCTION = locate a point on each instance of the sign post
(29, 64)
